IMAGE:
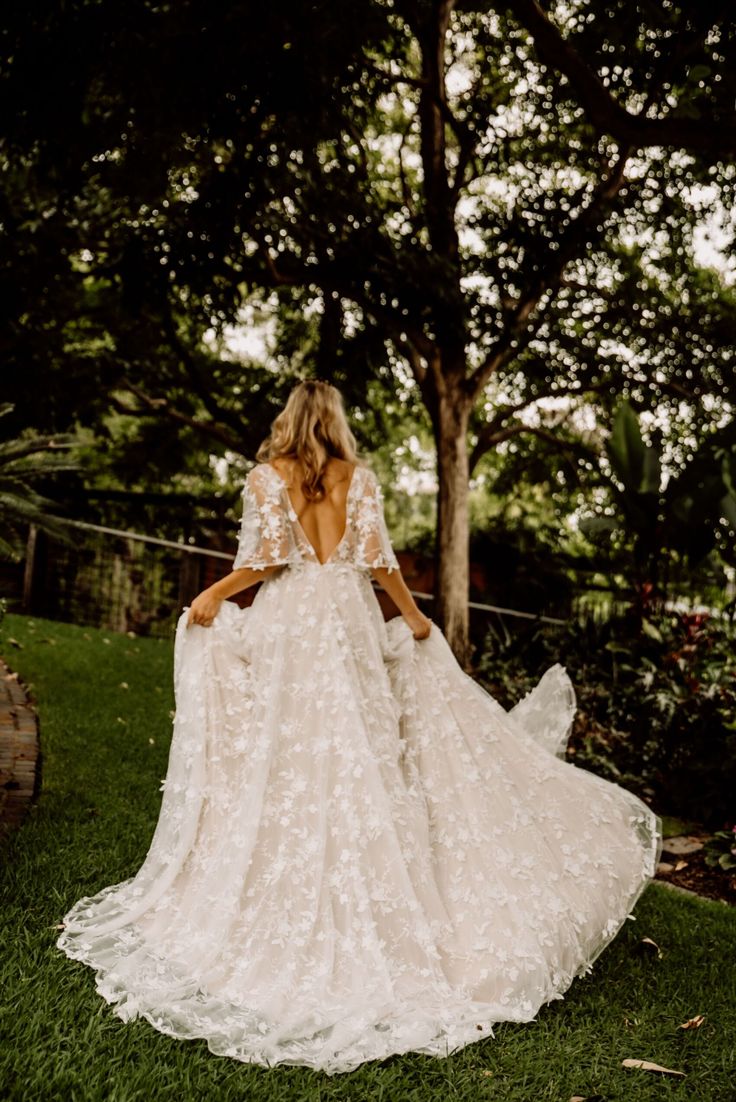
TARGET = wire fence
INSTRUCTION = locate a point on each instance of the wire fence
(128, 582)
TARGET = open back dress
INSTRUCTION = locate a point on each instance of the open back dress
(359, 852)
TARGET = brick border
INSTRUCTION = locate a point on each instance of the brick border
(20, 752)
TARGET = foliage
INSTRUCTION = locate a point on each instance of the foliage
(279, 170)
(486, 205)
(720, 850)
(24, 463)
(683, 516)
(656, 700)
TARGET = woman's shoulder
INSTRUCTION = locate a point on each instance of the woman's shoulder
(263, 478)
(282, 470)
(266, 468)
(283, 466)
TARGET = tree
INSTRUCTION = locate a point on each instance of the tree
(492, 198)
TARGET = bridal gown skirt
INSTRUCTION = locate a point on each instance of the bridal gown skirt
(359, 852)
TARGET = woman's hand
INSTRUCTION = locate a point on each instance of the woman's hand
(204, 608)
(420, 624)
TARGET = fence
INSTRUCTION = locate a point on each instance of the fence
(128, 582)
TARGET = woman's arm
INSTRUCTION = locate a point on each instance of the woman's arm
(393, 582)
(206, 605)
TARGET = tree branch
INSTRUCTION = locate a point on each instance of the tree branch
(433, 114)
(398, 78)
(215, 410)
(549, 274)
(492, 432)
(576, 447)
(160, 407)
(405, 189)
(715, 139)
(413, 356)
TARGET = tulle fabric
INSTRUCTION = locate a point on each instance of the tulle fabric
(359, 852)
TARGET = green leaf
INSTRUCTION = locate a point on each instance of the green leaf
(652, 473)
(651, 630)
(728, 509)
(593, 526)
(625, 447)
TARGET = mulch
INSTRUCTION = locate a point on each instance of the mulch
(689, 871)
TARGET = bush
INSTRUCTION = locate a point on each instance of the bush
(656, 702)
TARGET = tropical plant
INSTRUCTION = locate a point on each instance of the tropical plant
(720, 850)
(686, 515)
(24, 462)
(656, 702)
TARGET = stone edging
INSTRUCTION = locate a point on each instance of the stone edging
(20, 752)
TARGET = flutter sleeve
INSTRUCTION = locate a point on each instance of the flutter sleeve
(373, 543)
(266, 537)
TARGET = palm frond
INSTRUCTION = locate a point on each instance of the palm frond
(32, 445)
(39, 468)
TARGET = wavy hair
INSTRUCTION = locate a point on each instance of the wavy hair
(312, 428)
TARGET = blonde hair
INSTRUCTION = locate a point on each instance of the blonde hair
(312, 428)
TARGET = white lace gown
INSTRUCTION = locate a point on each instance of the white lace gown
(359, 852)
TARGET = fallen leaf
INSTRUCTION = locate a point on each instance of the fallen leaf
(59, 926)
(646, 945)
(15, 643)
(681, 865)
(647, 1065)
(693, 1023)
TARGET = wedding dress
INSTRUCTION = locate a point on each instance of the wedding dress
(359, 851)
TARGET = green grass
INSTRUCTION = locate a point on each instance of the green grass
(104, 753)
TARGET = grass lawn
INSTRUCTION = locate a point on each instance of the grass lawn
(104, 702)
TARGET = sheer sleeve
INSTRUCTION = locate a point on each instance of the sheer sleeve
(266, 537)
(373, 543)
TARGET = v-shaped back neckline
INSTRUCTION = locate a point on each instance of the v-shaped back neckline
(295, 517)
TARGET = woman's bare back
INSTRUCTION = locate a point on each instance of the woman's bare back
(323, 522)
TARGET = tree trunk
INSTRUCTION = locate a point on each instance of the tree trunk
(453, 528)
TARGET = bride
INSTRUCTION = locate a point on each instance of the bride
(359, 852)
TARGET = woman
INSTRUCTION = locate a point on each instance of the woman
(359, 852)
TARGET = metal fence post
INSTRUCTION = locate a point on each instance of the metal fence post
(190, 569)
(28, 569)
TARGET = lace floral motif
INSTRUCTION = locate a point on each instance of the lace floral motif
(359, 852)
(270, 533)
(266, 529)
